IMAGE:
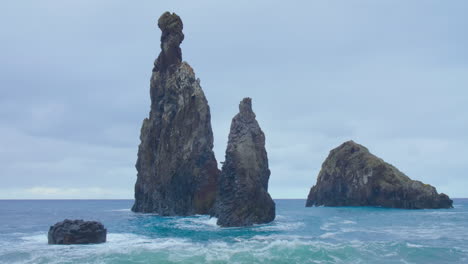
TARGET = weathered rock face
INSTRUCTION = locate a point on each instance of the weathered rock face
(177, 169)
(77, 232)
(171, 37)
(352, 176)
(243, 197)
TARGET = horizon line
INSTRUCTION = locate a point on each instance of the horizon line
(85, 199)
(125, 199)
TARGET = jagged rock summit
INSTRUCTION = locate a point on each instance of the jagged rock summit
(177, 169)
(352, 176)
(171, 37)
(243, 198)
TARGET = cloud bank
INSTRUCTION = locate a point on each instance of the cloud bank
(74, 84)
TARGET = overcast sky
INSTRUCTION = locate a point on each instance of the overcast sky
(391, 75)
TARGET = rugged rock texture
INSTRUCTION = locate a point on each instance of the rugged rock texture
(243, 197)
(171, 37)
(77, 232)
(177, 169)
(352, 176)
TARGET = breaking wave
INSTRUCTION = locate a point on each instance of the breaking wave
(124, 248)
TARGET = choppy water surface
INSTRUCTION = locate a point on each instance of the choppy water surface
(298, 235)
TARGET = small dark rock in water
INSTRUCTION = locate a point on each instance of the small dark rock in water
(77, 232)
(352, 176)
(243, 197)
(177, 169)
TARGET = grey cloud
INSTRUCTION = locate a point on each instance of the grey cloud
(74, 86)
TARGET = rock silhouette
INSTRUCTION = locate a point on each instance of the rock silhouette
(243, 198)
(177, 169)
(352, 176)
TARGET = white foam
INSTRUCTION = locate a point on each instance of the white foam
(261, 248)
(414, 245)
(328, 235)
(39, 238)
(211, 222)
(280, 226)
(327, 226)
(121, 210)
(276, 237)
(280, 217)
(199, 223)
(442, 212)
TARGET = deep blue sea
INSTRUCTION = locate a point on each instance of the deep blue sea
(298, 235)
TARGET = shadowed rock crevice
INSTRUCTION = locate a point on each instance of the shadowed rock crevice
(243, 197)
(352, 176)
(177, 169)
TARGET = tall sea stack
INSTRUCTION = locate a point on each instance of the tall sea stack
(243, 198)
(177, 169)
(352, 176)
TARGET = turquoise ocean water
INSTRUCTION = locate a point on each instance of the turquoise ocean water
(298, 235)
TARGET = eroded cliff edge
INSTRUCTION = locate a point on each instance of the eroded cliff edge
(177, 169)
(352, 176)
(243, 197)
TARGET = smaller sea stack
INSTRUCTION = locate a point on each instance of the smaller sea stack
(243, 197)
(352, 176)
(70, 232)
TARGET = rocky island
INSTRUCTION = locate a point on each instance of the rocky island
(70, 232)
(352, 176)
(177, 169)
(243, 197)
